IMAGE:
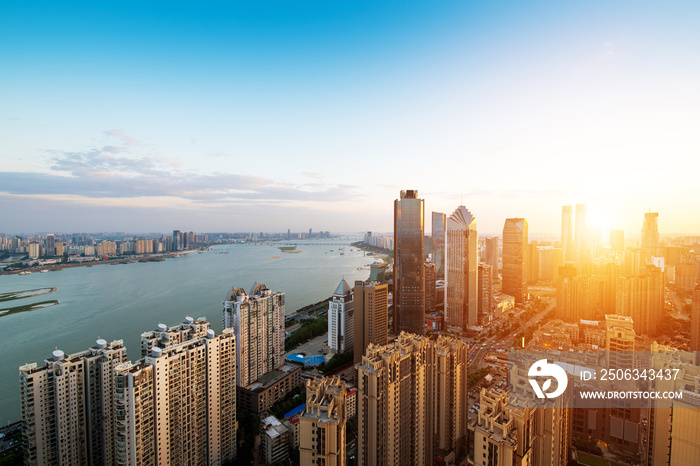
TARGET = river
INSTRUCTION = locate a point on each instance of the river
(122, 301)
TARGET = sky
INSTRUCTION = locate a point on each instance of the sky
(269, 115)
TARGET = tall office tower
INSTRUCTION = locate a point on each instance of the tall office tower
(439, 228)
(50, 245)
(491, 252)
(68, 407)
(341, 319)
(485, 292)
(650, 235)
(258, 321)
(59, 248)
(322, 424)
(371, 316)
(430, 290)
(617, 240)
(695, 322)
(412, 401)
(642, 298)
(462, 268)
(177, 240)
(567, 234)
(514, 255)
(409, 274)
(581, 238)
(550, 261)
(178, 405)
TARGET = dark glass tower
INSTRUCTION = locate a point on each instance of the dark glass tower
(409, 272)
(514, 258)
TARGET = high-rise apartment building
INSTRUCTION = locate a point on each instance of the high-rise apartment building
(341, 319)
(514, 258)
(258, 322)
(177, 240)
(371, 316)
(462, 268)
(567, 234)
(439, 227)
(322, 424)
(409, 274)
(510, 429)
(178, 404)
(485, 292)
(68, 410)
(412, 401)
(641, 297)
(581, 238)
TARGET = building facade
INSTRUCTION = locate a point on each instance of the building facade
(341, 319)
(514, 258)
(322, 424)
(371, 316)
(412, 401)
(68, 407)
(258, 322)
(409, 274)
(461, 290)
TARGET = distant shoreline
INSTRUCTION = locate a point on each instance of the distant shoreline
(125, 259)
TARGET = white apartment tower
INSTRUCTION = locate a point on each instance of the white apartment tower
(178, 404)
(258, 323)
(68, 406)
(341, 318)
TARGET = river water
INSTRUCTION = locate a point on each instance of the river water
(122, 301)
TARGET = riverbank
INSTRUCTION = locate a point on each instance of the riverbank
(118, 260)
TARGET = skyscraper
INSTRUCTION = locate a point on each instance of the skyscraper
(514, 254)
(68, 410)
(461, 291)
(371, 301)
(341, 319)
(412, 401)
(409, 275)
(50, 245)
(617, 240)
(581, 234)
(650, 234)
(258, 322)
(491, 246)
(485, 291)
(322, 424)
(567, 234)
(438, 233)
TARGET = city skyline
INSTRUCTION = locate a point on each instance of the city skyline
(132, 119)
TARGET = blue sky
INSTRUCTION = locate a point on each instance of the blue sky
(237, 116)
